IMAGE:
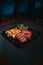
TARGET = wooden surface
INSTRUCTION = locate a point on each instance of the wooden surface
(11, 20)
(8, 21)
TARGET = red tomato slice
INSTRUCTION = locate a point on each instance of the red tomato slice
(22, 39)
(25, 31)
(19, 35)
(28, 35)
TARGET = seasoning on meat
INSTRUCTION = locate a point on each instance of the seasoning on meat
(28, 34)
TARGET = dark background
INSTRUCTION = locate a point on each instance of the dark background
(32, 9)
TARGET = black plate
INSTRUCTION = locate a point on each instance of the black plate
(35, 34)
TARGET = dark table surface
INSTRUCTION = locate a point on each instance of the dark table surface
(22, 56)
